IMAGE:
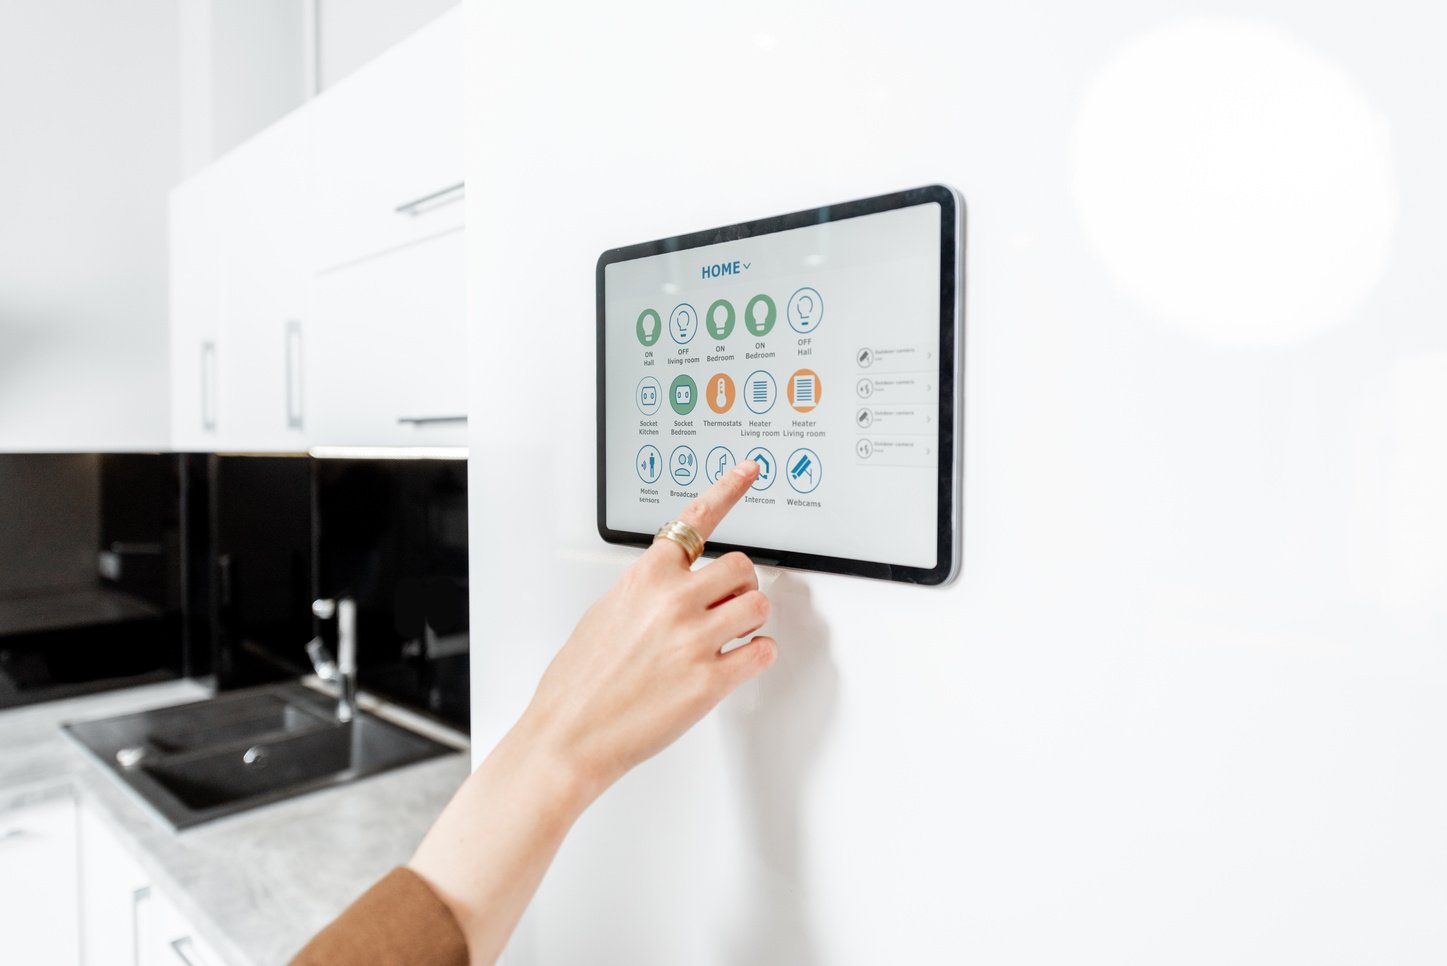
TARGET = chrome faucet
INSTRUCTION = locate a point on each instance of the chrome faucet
(343, 671)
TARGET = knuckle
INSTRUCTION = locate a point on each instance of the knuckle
(697, 511)
(759, 605)
(739, 565)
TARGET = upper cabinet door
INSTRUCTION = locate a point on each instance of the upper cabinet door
(195, 316)
(386, 360)
(387, 158)
(265, 221)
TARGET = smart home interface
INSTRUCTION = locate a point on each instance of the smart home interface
(818, 352)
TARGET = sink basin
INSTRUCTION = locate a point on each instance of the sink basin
(200, 761)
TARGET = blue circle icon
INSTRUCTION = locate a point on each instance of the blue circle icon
(806, 310)
(760, 392)
(649, 396)
(649, 464)
(803, 470)
(768, 468)
(683, 466)
(718, 462)
(683, 323)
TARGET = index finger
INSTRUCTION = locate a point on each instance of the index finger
(713, 504)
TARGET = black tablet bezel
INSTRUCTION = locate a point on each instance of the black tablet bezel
(952, 280)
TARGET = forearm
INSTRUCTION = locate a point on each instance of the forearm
(488, 851)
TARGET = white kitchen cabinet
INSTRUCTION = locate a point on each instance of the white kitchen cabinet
(168, 939)
(262, 214)
(313, 303)
(387, 159)
(114, 892)
(125, 919)
(386, 360)
(38, 888)
(195, 315)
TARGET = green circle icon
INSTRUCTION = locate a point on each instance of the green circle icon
(650, 327)
(760, 315)
(720, 319)
(683, 395)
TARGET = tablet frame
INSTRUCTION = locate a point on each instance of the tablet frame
(949, 536)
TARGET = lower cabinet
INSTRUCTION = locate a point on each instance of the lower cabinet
(38, 909)
(125, 920)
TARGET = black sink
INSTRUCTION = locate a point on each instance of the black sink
(200, 761)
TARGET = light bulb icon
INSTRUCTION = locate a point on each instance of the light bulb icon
(718, 316)
(683, 323)
(759, 315)
(806, 310)
(649, 325)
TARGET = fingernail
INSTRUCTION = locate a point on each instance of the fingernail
(747, 468)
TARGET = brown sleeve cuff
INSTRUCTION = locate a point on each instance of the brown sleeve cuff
(399, 922)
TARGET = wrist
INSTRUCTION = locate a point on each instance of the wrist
(566, 783)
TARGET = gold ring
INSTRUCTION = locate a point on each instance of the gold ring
(684, 535)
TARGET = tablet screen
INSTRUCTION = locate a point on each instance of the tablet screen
(814, 351)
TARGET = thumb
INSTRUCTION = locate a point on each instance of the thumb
(747, 661)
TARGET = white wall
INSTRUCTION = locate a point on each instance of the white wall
(88, 119)
(352, 32)
(1185, 704)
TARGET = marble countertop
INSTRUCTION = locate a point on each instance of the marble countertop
(256, 886)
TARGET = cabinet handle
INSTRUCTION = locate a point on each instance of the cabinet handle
(180, 946)
(293, 375)
(15, 836)
(208, 386)
(424, 204)
(144, 892)
(428, 420)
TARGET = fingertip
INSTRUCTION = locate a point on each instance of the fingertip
(768, 651)
(747, 470)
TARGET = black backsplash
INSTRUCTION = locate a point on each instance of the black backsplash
(393, 535)
(118, 569)
(91, 572)
(262, 568)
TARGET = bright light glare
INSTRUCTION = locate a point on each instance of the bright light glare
(1234, 183)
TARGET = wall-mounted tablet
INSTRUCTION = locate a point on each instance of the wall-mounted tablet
(826, 346)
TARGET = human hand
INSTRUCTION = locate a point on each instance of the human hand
(645, 664)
